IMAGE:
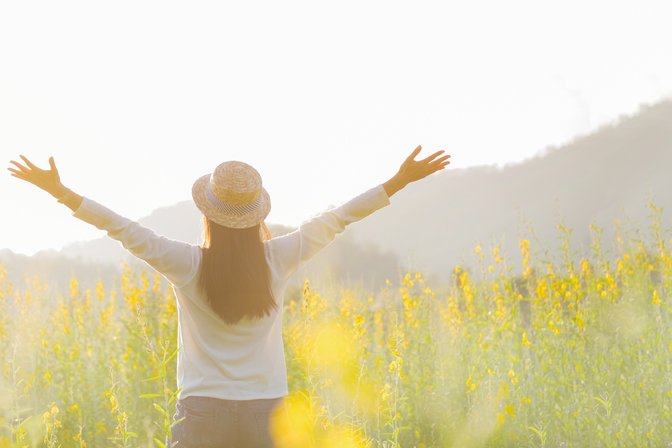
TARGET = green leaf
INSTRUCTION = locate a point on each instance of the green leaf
(154, 378)
(161, 410)
(150, 395)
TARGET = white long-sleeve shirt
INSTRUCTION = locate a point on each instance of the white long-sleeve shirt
(240, 361)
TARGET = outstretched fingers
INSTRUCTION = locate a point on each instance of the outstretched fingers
(22, 168)
(414, 153)
(441, 159)
(17, 173)
(439, 163)
(430, 158)
(29, 163)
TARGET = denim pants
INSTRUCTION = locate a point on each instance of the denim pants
(213, 422)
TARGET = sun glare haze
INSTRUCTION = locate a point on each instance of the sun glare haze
(135, 100)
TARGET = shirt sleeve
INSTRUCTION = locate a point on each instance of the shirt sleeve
(175, 260)
(293, 249)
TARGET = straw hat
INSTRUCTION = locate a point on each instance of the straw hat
(232, 196)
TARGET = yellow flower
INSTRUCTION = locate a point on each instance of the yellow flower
(471, 386)
(386, 392)
(74, 288)
(510, 410)
(512, 376)
(500, 419)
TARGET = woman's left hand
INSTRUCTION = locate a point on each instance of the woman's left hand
(48, 180)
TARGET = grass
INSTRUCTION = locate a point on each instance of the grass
(573, 352)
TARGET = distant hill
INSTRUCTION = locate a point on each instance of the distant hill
(434, 224)
(54, 271)
(345, 262)
(608, 175)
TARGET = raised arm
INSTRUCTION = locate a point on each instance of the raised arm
(176, 260)
(292, 250)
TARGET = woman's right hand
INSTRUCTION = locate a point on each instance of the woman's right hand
(412, 170)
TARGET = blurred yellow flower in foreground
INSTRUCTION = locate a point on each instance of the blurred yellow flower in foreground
(292, 423)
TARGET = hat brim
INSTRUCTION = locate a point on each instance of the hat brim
(198, 193)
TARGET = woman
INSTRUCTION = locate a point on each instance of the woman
(231, 370)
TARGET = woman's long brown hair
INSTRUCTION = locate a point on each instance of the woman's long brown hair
(234, 274)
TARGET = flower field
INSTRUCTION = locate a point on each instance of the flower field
(574, 351)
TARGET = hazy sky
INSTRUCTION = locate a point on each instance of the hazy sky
(137, 99)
